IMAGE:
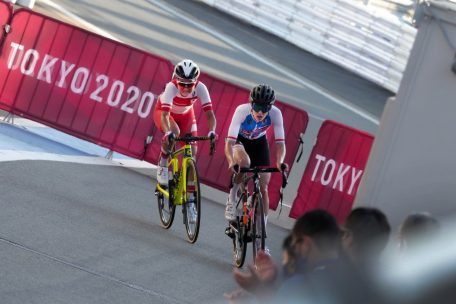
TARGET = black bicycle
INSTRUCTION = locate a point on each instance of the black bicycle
(249, 225)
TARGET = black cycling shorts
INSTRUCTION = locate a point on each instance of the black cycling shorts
(257, 150)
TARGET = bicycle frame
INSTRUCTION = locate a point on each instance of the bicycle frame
(250, 224)
(178, 193)
(247, 195)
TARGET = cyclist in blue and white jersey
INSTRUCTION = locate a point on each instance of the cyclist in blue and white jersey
(246, 144)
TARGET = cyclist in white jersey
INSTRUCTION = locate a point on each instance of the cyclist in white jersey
(247, 146)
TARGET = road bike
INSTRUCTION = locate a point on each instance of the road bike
(249, 225)
(183, 187)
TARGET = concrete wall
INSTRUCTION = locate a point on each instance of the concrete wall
(412, 166)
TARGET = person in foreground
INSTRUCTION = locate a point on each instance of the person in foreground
(330, 265)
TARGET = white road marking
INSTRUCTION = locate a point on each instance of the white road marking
(78, 19)
(15, 155)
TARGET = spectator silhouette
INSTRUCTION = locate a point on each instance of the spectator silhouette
(315, 241)
(417, 230)
(366, 234)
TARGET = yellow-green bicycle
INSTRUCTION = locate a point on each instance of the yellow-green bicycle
(183, 188)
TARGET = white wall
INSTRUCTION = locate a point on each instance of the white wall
(412, 166)
(367, 42)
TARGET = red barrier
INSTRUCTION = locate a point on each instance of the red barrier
(333, 171)
(226, 97)
(80, 83)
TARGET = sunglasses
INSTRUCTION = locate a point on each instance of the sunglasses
(186, 84)
(257, 107)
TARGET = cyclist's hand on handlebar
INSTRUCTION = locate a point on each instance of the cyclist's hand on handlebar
(284, 169)
(212, 135)
(235, 168)
(168, 137)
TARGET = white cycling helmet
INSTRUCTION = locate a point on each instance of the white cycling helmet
(186, 70)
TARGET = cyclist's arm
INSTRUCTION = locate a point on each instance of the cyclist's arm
(166, 127)
(229, 152)
(281, 151)
(279, 135)
(166, 99)
(212, 122)
(206, 104)
(233, 132)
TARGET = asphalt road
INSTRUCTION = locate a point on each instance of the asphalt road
(72, 233)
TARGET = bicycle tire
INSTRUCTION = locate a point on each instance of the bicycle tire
(192, 229)
(166, 208)
(240, 240)
(258, 227)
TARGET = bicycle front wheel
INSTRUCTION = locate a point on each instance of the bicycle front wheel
(240, 240)
(166, 207)
(239, 246)
(192, 206)
(258, 227)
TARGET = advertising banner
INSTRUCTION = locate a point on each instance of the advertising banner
(334, 170)
(80, 83)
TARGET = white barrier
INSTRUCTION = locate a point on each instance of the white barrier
(371, 44)
(25, 3)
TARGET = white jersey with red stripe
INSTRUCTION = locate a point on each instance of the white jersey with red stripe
(171, 101)
(244, 124)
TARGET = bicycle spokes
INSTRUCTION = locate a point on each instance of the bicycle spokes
(192, 207)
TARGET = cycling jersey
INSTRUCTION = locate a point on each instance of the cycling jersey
(180, 107)
(171, 101)
(243, 124)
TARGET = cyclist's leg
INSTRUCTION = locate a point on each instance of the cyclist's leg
(264, 182)
(241, 158)
(162, 170)
(262, 159)
(173, 125)
(187, 123)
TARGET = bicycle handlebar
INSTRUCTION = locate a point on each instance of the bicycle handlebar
(192, 138)
(258, 170)
(267, 170)
(188, 139)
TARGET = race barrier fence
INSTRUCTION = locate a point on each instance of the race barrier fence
(80, 83)
(334, 170)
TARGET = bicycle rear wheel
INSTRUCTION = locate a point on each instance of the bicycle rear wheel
(258, 227)
(240, 239)
(192, 205)
(166, 207)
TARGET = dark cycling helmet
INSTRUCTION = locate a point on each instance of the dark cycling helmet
(262, 94)
(186, 70)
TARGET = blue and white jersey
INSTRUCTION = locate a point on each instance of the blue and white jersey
(245, 125)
